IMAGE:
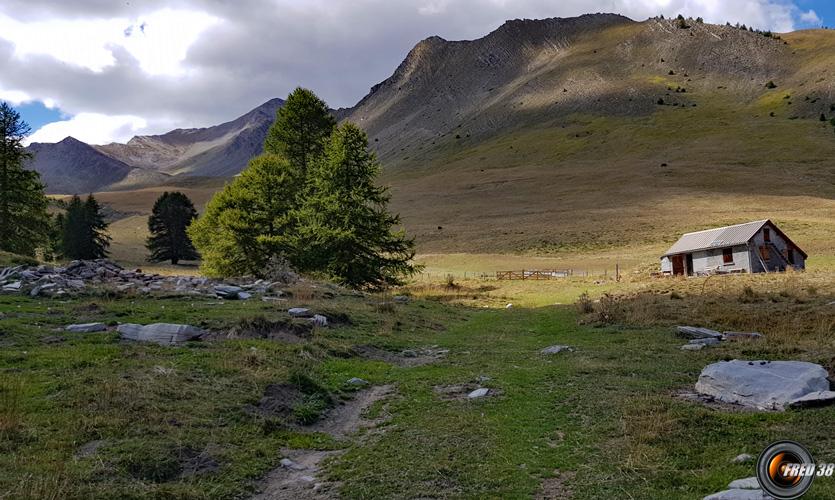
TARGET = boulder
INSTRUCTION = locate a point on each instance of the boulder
(300, 312)
(13, 286)
(402, 299)
(86, 328)
(478, 393)
(766, 385)
(356, 381)
(244, 295)
(319, 320)
(818, 398)
(692, 347)
(555, 349)
(695, 332)
(159, 333)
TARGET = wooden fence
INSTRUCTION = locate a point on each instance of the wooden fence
(533, 275)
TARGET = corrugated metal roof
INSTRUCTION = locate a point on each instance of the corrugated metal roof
(716, 238)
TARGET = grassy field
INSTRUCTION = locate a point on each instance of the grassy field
(89, 416)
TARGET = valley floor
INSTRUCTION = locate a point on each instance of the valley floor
(90, 416)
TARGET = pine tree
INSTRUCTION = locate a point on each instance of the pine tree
(172, 214)
(301, 128)
(85, 231)
(345, 228)
(249, 221)
(23, 215)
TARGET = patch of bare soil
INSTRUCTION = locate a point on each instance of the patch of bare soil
(555, 487)
(350, 416)
(278, 401)
(298, 475)
(297, 479)
(406, 358)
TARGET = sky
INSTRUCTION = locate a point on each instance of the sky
(106, 70)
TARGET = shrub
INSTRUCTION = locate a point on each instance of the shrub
(770, 85)
(660, 101)
(584, 304)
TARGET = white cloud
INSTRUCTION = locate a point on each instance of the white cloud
(810, 17)
(92, 128)
(14, 97)
(159, 40)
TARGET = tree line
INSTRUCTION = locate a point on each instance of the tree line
(311, 200)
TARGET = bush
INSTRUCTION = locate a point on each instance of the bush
(771, 85)
(584, 304)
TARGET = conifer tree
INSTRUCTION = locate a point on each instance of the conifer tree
(171, 215)
(23, 215)
(85, 231)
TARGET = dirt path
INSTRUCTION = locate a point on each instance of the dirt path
(297, 477)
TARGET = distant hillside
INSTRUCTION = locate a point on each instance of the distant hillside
(219, 151)
(71, 166)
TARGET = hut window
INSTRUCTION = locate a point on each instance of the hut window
(766, 234)
(727, 255)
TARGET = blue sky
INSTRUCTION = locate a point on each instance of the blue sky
(112, 70)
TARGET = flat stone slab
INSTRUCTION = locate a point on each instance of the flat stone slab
(692, 347)
(300, 312)
(86, 328)
(556, 349)
(736, 494)
(743, 458)
(697, 332)
(356, 381)
(765, 385)
(159, 333)
(478, 393)
(749, 483)
(819, 398)
(705, 341)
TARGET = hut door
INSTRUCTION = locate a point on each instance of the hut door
(678, 264)
(689, 264)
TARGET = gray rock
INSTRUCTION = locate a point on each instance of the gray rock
(766, 385)
(159, 333)
(736, 494)
(695, 332)
(267, 298)
(319, 320)
(692, 347)
(289, 464)
(244, 295)
(749, 483)
(817, 398)
(735, 336)
(229, 292)
(86, 328)
(555, 349)
(403, 299)
(300, 312)
(742, 458)
(478, 393)
(13, 286)
(356, 381)
(75, 284)
(409, 353)
(705, 341)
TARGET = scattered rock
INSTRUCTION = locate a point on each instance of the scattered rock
(736, 336)
(356, 381)
(765, 385)
(244, 295)
(478, 393)
(509, 306)
(743, 458)
(228, 292)
(695, 332)
(289, 464)
(402, 299)
(319, 320)
(160, 333)
(749, 483)
(300, 312)
(692, 347)
(12, 287)
(817, 398)
(86, 328)
(555, 349)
